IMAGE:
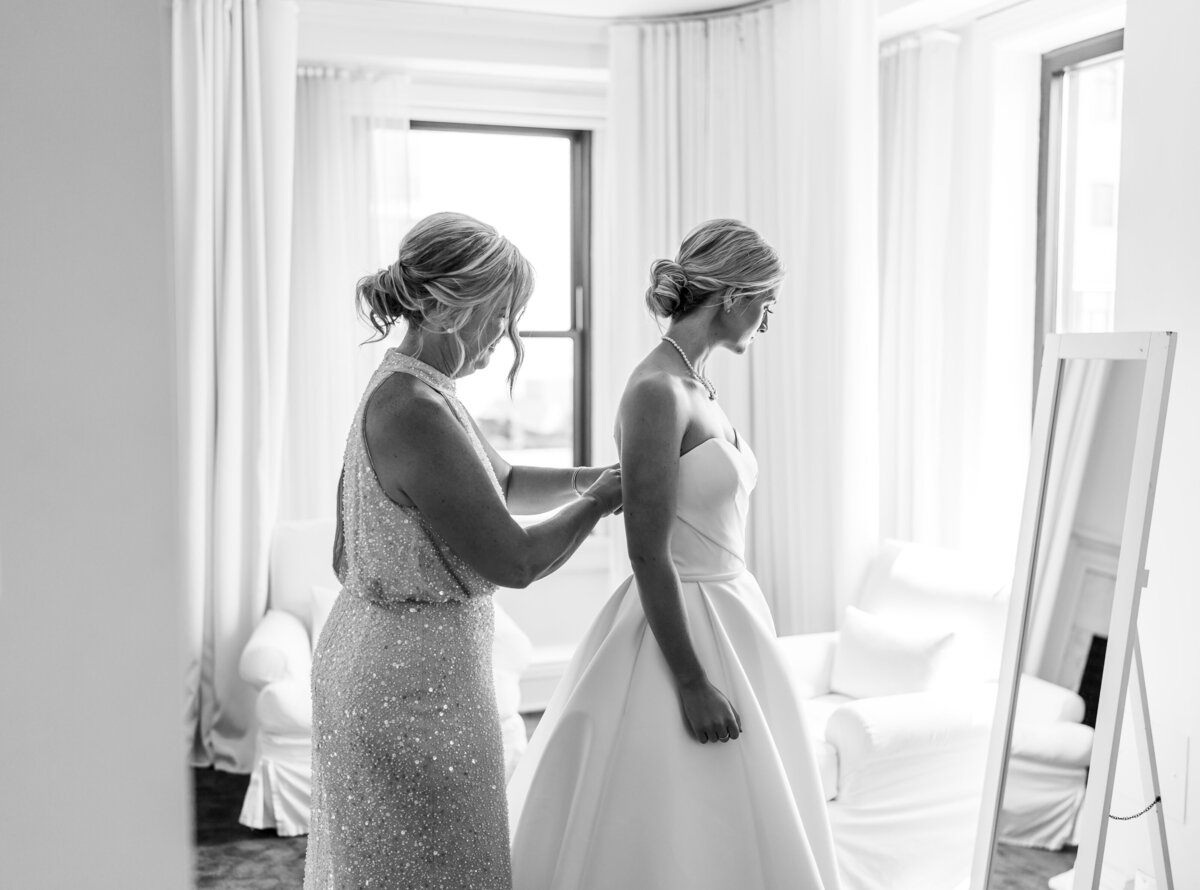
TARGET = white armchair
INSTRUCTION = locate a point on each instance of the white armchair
(903, 775)
(1048, 766)
(277, 661)
(902, 765)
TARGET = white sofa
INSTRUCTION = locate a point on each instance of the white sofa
(903, 769)
(277, 661)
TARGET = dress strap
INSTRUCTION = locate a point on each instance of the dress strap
(396, 360)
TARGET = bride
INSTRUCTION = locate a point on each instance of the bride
(674, 753)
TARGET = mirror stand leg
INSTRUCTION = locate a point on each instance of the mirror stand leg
(1149, 769)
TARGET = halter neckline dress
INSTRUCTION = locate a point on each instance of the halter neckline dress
(408, 766)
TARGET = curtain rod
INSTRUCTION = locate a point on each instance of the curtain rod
(723, 12)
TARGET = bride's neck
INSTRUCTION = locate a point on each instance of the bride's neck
(691, 333)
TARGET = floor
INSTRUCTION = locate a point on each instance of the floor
(230, 856)
(1021, 868)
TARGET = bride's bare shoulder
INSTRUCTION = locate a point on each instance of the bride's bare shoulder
(651, 382)
(652, 396)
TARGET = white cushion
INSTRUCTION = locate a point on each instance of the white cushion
(817, 712)
(809, 658)
(322, 602)
(1056, 744)
(301, 556)
(876, 656)
(949, 589)
(284, 708)
(1039, 701)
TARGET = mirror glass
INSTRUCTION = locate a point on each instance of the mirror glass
(1066, 628)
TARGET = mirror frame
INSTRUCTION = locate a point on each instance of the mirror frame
(1157, 350)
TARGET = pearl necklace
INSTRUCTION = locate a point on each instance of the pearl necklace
(704, 381)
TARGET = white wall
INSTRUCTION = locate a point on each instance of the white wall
(1158, 288)
(93, 790)
(469, 65)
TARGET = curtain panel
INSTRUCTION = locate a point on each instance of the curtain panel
(1081, 401)
(919, 431)
(769, 116)
(351, 208)
(233, 65)
(956, 304)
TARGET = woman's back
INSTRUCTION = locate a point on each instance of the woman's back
(391, 554)
(408, 770)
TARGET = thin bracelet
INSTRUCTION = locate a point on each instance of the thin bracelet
(575, 482)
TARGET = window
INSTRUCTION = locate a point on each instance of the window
(1078, 184)
(533, 186)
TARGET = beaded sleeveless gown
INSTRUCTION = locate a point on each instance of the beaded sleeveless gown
(408, 766)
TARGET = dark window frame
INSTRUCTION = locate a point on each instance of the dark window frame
(1055, 65)
(580, 331)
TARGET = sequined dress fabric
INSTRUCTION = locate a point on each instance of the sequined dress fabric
(408, 765)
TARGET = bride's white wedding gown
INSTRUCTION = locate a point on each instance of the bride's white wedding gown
(613, 791)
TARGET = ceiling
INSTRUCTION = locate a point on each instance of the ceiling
(603, 9)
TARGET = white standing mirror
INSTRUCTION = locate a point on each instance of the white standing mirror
(1072, 622)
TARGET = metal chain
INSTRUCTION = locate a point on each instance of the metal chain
(1151, 806)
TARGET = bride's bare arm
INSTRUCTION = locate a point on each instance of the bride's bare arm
(653, 419)
(422, 455)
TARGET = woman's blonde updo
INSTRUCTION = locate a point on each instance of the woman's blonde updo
(719, 262)
(453, 273)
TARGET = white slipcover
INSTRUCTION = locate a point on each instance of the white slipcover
(903, 774)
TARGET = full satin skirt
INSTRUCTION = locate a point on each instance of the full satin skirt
(614, 792)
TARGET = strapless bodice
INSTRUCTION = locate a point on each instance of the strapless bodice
(709, 536)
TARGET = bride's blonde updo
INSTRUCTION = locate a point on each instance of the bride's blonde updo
(719, 262)
(452, 270)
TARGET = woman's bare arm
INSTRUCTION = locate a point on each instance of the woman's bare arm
(531, 490)
(652, 425)
(421, 454)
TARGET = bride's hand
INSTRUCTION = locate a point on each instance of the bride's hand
(607, 490)
(709, 714)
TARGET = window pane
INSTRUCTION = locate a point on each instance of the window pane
(536, 426)
(519, 183)
(1091, 160)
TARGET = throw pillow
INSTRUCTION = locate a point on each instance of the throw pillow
(875, 656)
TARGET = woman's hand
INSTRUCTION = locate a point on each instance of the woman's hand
(709, 714)
(607, 490)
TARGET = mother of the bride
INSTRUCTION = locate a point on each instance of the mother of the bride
(408, 773)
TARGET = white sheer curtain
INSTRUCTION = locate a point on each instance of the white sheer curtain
(956, 294)
(350, 208)
(1081, 397)
(918, 430)
(233, 89)
(768, 116)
